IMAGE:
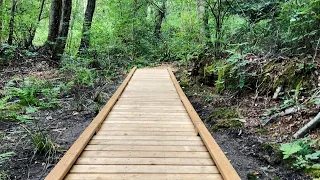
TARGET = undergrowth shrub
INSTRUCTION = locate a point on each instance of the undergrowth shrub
(33, 92)
(22, 97)
(6, 53)
(299, 24)
(303, 153)
(232, 74)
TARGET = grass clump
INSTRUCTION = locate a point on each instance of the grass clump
(43, 144)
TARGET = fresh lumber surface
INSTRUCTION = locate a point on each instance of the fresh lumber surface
(64, 165)
(145, 148)
(105, 169)
(144, 161)
(164, 138)
(147, 143)
(135, 133)
(148, 132)
(144, 176)
(145, 154)
(223, 164)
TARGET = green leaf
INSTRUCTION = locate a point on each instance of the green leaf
(289, 149)
(24, 118)
(31, 110)
(313, 156)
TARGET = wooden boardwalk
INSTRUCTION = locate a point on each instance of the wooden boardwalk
(148, 130)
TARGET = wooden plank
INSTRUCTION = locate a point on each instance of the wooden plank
(146, 143)
(105, 169)
(129, 107)
(223, 164)
(149, 110)
(148, 118)
(144, 176)
(146, 148)
(146, 129)
(145, 161)
(159, 122)
(147, 125)
(64, 165)
(145, 154)
(164, 138)
(135, 133)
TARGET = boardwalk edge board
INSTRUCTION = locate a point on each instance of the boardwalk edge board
(226, 169)
(64, 165)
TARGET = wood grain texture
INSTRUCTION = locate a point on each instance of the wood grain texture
(147, 130)
(122, 169)
(64, 165)
(226, 169)
(144, 176)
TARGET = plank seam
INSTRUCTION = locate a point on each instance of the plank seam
(223, 164)
(70, 157)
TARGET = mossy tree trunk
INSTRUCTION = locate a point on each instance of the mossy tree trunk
(55, 17)
(85, 40)
(159, 19)
(11, 23)
(1, 9)
(203, 16)
(63, 30)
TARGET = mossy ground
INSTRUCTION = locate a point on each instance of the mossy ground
(225, 118)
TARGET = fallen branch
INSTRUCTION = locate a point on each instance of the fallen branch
(276, 94)
(312, 124)
(269, 119)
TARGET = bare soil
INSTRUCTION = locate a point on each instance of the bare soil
(249, 148)
(62, 125)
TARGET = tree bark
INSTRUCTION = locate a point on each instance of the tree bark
(55, 17)
(1, 14)
(63, 30)
(33, 30)
(11, 23)
(308, 127)
(203, 16)
(159, 18)
(85, 40)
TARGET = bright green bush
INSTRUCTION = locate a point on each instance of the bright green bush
(304, 153)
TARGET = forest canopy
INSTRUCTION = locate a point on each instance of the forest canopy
(144, 31)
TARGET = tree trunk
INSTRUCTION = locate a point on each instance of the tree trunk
(203, 16)
(33, 30)
(63, 30)
(159, 18)
(55, 17)
(85, 40)
(11, 23)
(1, 14)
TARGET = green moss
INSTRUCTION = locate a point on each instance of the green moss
(271, 147)
(2, 134)
(3, 175)
(185, 79)
(225, 118)
(224, 113)
(252, 176)
(226, 124)
(223, 76)
(313, 172)
(262, 131)
(292, 76)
